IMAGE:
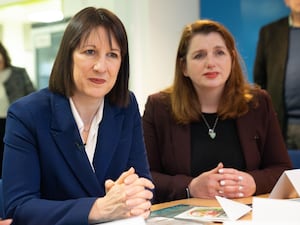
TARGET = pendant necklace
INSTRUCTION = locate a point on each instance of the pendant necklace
(211, 131)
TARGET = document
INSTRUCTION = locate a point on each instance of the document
(287, 186)
(229, 210)
(280, 210)
(268, 211)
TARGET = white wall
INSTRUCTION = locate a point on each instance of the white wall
(153, 27)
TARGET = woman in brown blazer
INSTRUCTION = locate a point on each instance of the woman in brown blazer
(212, 133)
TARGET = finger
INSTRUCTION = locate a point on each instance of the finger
(125, 174)
(138, 193)
(108, 185)
(130, 179)
(144, 182)
(236, 191)
(217, 168)
(145, 214)
(141, 208)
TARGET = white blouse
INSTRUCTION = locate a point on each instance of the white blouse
(90, 145)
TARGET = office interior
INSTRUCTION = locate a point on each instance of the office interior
(153, 27)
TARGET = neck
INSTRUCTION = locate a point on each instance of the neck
(87, 110)
(296, 19)
(209, 101)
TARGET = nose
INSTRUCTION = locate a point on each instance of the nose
(100, 64)
(210, 62)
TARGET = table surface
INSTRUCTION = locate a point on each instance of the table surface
(205, 202)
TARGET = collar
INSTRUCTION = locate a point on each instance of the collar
(291, 23)
(96, 120)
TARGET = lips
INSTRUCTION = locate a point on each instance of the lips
(97, 80)
(211, 74)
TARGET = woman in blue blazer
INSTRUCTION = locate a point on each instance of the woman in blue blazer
(74, 152)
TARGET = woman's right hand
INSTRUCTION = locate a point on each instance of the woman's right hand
(206, 184)
(128, 196)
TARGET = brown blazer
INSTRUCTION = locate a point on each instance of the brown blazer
(168, 147)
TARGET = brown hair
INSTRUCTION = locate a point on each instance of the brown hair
(237, 91)
(80, 26)
(4, 53)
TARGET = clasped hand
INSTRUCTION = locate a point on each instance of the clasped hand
(128, 196)
(225, 182)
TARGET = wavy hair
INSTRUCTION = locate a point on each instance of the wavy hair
(237, 91)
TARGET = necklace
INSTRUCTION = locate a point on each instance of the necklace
(211, 131)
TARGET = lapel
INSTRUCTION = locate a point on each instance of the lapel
(108, 138)
(248, 138)
(65, 134)
(181, 145)
(282, 43)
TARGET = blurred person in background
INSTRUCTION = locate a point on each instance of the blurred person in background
(277, 69)
(14, 83)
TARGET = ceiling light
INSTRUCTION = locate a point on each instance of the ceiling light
(46, 16)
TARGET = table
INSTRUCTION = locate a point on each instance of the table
(205, 202)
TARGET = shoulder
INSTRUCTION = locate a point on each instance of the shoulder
(18, 70)
(275, 25)
(261, 101)
(158, 105)
(159, 98)
(35, 101)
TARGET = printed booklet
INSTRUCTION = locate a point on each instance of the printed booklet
(204, 214)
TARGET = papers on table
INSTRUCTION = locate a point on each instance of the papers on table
(265, 209)
(282, 206)
(288, 185)
(268, 211)
(229, 210)
(234, 210)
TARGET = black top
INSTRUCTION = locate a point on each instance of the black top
(206, 152)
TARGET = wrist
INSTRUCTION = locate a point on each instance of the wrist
(188, 193)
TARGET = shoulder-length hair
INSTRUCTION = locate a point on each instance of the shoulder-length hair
(80, 26)
(237, 91)
(6, 58)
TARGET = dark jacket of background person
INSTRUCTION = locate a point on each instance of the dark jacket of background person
(18, 84)
(270, 64)
(169, 151)
(65, 177)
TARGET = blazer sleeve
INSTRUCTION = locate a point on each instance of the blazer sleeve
(263, 145)
(167, 146)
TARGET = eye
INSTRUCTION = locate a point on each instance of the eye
(113, 55)
(90, 52)
(199, 55)
(220, 52)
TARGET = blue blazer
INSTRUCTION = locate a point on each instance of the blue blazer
(47, 177)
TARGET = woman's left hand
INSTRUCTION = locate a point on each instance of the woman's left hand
(235, 183)
(138, 194)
